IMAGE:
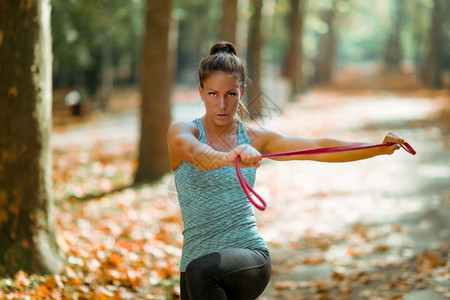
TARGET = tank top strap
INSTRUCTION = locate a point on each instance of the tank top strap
(201, 130)
(242, 135)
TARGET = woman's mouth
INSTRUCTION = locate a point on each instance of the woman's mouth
(222, 116)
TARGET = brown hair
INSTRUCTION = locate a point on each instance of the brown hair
(223, 57)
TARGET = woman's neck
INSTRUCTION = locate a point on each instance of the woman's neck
(220, 131)
(223, 138)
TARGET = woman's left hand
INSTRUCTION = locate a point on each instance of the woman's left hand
(250, 157)
(395, 139)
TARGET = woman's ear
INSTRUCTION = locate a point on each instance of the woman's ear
(243, 91)
(200, 91)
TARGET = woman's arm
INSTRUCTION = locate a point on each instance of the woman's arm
(267, 141)
(183, 144)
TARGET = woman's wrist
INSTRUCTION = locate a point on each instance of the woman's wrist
(208, 159)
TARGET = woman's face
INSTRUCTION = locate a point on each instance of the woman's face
(221, 93)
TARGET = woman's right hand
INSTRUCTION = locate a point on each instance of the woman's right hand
(250, 157)
(395, 139)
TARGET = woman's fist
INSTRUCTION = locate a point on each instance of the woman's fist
(395, 139)
(250, 157)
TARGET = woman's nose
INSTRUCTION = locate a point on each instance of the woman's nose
(222, 102)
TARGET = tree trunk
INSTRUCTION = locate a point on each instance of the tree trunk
(418, 33)
(26, 192)
(254, 49)
(327, 48)
(393, 56)
(107, 81)
(155, 81)
(433, 69)
(229, 21)
(292, 65)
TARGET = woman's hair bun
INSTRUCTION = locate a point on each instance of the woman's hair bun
(223, 47)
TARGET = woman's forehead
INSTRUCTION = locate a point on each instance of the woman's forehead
(221, 80)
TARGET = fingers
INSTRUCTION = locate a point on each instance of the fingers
(250, 157)
(392, 148)
(393, 137)
(396, 140)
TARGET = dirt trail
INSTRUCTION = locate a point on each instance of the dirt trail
(374, 229)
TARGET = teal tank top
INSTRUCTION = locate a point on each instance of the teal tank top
(216, 213)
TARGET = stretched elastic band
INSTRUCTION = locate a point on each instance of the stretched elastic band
(262, 205)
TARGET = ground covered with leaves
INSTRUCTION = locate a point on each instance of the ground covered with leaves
(376, 229)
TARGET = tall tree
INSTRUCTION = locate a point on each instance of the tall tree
(106, 73)
(418, 26)
(254, 52)
(433, 66)
(26, 192)
(229, 21)
(155, 87)
(292, 65)
(393, 54)
(327, 46)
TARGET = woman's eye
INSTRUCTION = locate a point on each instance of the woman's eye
(211, 93)
(231, 94)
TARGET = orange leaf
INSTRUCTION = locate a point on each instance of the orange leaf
(353, 252)
(337, 276)
(285, 285)
(313, 260)
(115, 260)
(43, 291)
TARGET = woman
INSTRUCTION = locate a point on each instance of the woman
(223, 256)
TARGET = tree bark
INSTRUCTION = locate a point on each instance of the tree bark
(327, 48)
(106, 80)
(292, 65)
(394, 53)
(26, 191)
(229, 21)
(419, 34)
(153, 161)
(433, 66)
(254, 62)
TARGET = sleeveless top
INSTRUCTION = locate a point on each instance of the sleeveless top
(216, 213)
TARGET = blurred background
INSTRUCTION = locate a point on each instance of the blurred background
(104, 81)
(124, 70)
(98, 45)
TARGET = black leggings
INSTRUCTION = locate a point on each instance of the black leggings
(227, 274)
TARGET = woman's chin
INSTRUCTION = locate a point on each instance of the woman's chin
(222, 119)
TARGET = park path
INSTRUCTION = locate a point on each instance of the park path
(374, 229)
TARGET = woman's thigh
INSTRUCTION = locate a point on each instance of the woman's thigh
(227, 274)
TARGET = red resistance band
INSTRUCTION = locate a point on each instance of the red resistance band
(248, 189)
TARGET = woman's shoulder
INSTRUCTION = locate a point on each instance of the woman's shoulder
(184, 127)
(260, 137)
(261, 132)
